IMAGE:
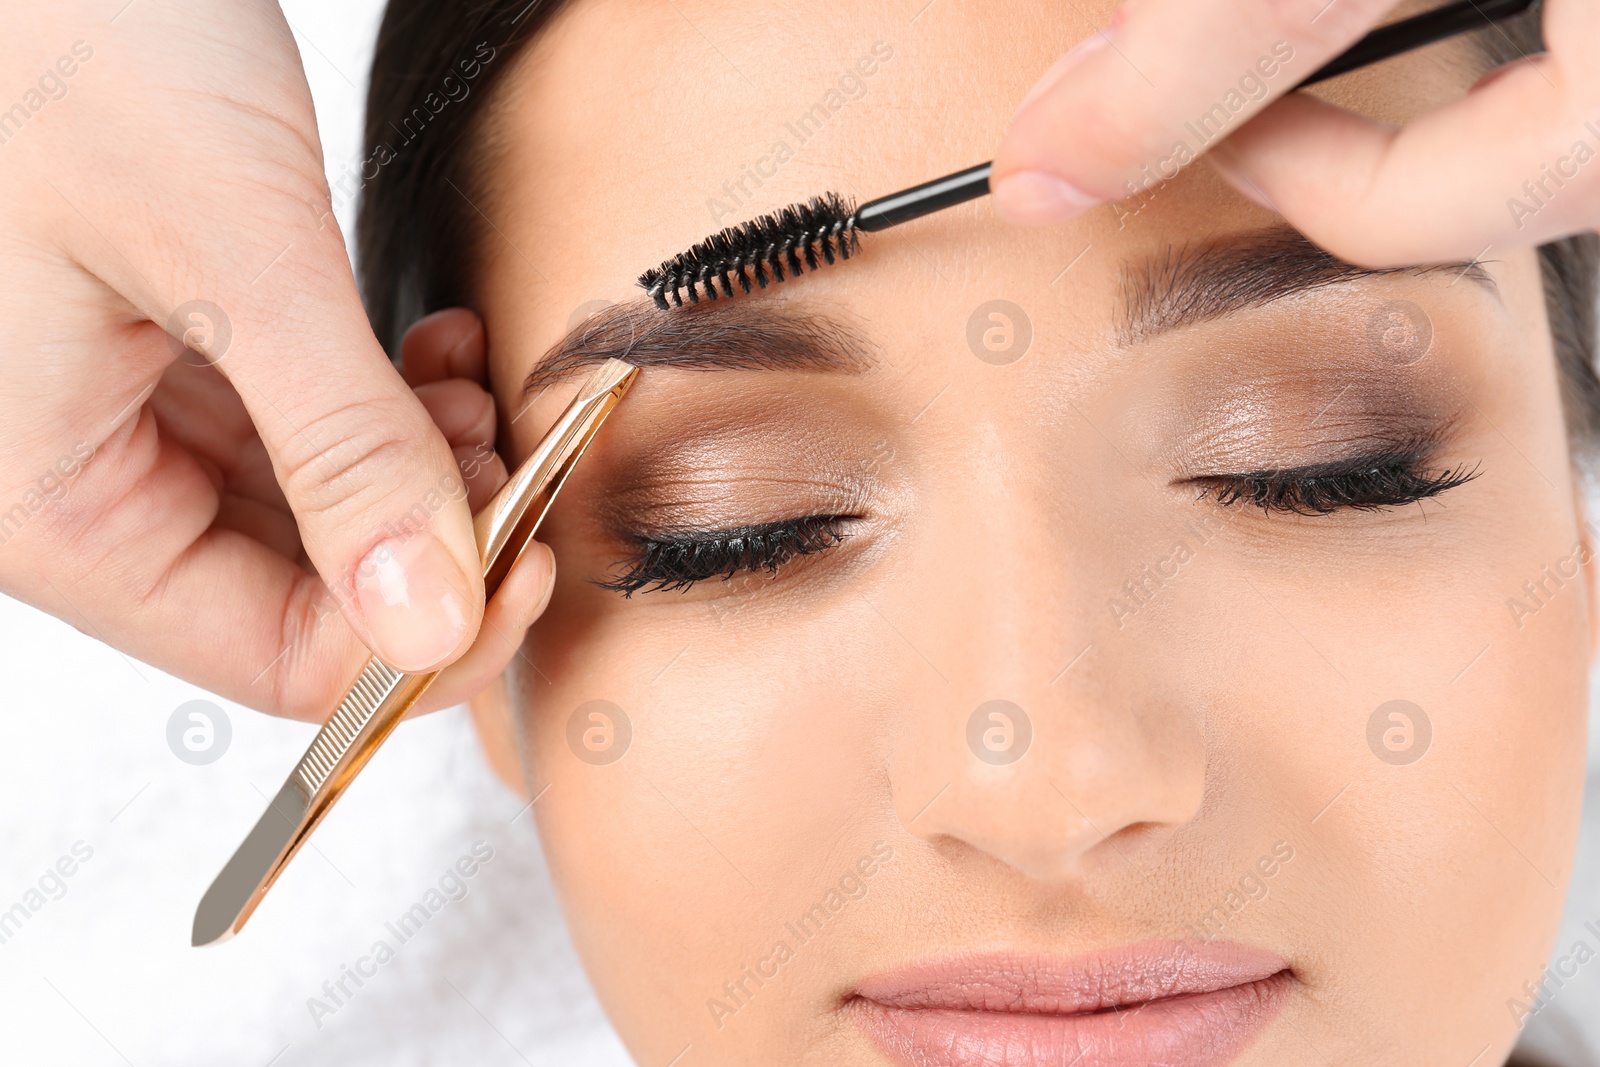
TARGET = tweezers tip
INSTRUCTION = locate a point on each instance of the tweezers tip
(206, 931)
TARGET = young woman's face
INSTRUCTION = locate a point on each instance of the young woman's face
(1053, 703)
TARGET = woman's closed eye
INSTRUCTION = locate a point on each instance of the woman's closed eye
(680, 559)
(710, 526)
(1389, 478)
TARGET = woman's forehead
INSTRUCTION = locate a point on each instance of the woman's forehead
(631, 131)
(676, 120)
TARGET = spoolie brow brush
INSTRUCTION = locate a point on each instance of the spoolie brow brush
(801, 237)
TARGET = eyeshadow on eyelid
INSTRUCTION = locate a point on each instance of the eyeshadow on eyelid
(1254, 415)
(741, 424)
(663, 481)
(680, 508)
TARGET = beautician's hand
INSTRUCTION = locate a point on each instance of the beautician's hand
(1441, 188)
(160, 173)
(446, 362)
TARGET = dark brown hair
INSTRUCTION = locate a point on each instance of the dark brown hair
(418, 231)
(434, 74)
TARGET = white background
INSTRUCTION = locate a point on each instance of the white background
(105, 975)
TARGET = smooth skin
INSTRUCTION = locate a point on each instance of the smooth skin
(221, 523)
(781, 729)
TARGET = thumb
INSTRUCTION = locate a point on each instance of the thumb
(372, 482)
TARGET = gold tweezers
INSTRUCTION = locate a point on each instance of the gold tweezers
(381, 695)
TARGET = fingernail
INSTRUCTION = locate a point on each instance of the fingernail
(549, 578)
(1033, 198)
(1071, 58)
(413, 596)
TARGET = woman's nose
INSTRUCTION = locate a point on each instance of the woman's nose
(1043, 781)
(1050, 732)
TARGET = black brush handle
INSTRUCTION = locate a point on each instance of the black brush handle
(1383, 43)
(1416, 31)
(923, 199)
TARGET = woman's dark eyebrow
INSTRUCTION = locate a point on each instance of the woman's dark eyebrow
(737, 334)
(1199, 282)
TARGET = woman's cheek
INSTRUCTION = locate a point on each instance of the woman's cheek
(1449, 769)
(690, 808)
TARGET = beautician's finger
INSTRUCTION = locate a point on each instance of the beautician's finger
(445, 344)
(1511, 164)
(357, 456)
(464, 413)
(197, 409)
(444, 358)
(1143, 92)
(517, 605)
(483, 471)
(462, 410)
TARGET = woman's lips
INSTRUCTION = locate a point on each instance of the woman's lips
(1189, 1003)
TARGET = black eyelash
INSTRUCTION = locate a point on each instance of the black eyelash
(1364, 483)
(678, 563)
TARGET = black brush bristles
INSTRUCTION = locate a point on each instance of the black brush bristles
(761, 252)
